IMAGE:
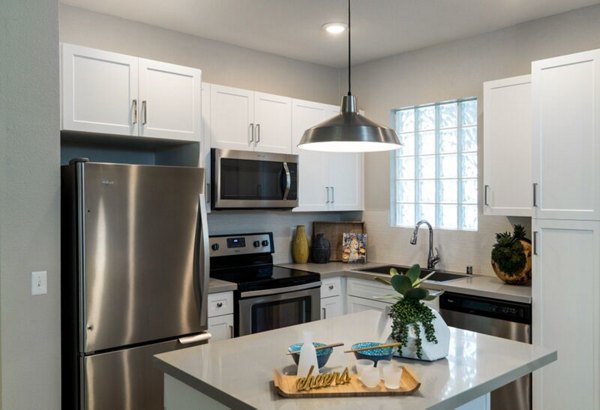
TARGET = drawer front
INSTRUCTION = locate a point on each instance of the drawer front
(331, 287)
(369, 289)
(220, 304)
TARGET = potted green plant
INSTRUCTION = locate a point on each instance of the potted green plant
(511, 257)
(420, 330)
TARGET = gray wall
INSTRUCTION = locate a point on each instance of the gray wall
(29, 204)
(220, 63)
(449, 71)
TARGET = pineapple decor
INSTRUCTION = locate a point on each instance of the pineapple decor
(511, 257)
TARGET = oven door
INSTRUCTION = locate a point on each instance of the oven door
(268, 309)
(246, 179)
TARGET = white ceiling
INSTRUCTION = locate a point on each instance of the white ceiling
(292, 28)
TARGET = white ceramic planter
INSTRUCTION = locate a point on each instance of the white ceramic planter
(429, 351)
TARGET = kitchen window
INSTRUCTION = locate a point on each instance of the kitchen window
(434, 173)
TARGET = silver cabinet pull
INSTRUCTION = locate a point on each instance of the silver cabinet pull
(231, 331)
(144, 112)
(257, 133)
(324, 313)
(330, 287)
(535, 194)
(332, 195)
(251, 136)
(134, 111)
(220, 304)
(327, 188)
(535, 234)
(485, 195)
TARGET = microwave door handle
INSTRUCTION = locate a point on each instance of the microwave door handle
(203, 261)
(288, 181)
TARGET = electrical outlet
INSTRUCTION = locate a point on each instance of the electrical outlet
(39, 283)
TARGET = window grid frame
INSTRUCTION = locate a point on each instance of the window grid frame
(437, 131)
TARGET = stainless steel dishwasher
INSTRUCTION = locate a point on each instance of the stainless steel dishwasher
(509, 320)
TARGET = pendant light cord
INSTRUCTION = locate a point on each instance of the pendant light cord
(349, 50)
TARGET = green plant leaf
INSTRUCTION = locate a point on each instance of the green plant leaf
(401, 284)
(393, 272)
(414, 272)
(416, 293)
(394, 296)
(423, 279)
(433, 295)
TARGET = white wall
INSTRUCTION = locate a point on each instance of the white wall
(29, 204)
(449, 71)
(220, 63)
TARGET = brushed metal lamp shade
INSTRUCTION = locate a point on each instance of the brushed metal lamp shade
(349, 132)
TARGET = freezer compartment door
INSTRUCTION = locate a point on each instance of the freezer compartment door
(145, 271)
(125, 379)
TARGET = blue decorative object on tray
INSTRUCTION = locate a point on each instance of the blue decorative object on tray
(322, 355)
(375, 354)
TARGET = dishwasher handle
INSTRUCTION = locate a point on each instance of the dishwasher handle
(492, 308)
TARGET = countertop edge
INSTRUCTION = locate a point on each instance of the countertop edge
(202, 387)
(218, 285)
(493, 384)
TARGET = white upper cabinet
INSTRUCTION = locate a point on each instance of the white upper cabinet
(250, 121)
(112, 93)
(170, 99)
(99, 91)
(507, 147)
(566, 137)
(327, 181)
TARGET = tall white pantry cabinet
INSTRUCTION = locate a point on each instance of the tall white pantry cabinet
(566, 229)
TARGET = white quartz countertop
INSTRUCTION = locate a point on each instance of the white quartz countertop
(476, 285)
(238, 372)
(218, 285)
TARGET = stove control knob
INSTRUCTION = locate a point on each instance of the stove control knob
(256, 244)
(215, 246)
(265, 243)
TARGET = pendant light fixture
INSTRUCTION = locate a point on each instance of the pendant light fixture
(349, 131)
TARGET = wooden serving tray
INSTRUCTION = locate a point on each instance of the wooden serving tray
(333, 232)
(286, 387)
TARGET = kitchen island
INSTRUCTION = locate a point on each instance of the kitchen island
(237, 373)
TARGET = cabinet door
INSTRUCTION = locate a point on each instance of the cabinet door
(220, 327)
(566, 136)
(231, 118)
(331, 307)
(356, 304)
(346, 181)
(313, 168)
(170, 101)
(566, 312)
(99, 91)
(273, 122)
(507, 146)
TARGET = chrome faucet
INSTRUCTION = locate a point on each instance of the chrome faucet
(431, 260)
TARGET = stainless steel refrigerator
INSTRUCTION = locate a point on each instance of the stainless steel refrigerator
(134, 279)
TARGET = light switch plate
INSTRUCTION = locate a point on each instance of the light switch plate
(39, 283)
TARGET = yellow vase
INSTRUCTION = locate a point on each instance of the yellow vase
(300, 245)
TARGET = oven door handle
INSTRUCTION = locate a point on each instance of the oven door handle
(266, 292)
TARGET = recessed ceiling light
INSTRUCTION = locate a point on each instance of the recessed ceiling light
(335, 28)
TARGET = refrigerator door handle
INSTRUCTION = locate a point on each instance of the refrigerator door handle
(204, 262)
(201, 337)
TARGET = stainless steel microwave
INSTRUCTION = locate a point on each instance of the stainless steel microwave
(249, 179)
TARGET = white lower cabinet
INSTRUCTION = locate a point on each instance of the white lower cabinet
(356, 304)
(367, 294)
(332, 302)
(220, 315)
(566, 313)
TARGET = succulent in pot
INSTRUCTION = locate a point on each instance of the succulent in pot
(412, 320)
(511, 256)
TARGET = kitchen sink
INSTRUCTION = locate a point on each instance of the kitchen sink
(438, 276)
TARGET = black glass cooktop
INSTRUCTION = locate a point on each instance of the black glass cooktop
(264, 277)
